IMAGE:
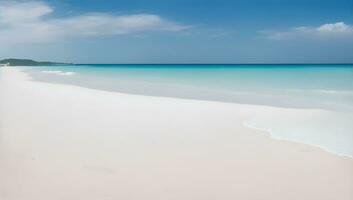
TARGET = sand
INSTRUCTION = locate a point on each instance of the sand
(68, 142)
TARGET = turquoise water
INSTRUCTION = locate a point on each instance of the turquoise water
(326, 88)
(306, 86)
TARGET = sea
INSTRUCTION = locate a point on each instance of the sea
(327, 87)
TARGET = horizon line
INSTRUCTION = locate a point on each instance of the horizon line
(211, 63)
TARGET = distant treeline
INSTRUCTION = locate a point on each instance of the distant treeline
(28, 62)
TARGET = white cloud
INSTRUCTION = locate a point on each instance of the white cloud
(334, 30)
(339, 27)
(31, 22)
(12, 12)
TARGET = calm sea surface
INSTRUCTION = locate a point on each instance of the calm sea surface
(324, 87)
(307, 86)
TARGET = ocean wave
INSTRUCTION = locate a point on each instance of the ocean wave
(59, 72)
(321, 91)
(334, 137)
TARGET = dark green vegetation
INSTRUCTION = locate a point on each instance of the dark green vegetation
(27, 62)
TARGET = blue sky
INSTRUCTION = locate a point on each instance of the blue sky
(178, 31)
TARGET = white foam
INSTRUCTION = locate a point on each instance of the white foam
(59, 72)
(332, 131)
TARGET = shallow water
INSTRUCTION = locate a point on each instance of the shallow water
(307, 86)
(321, 87)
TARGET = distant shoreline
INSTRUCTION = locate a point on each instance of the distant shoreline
(29, 62)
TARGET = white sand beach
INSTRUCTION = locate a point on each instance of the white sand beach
(63, 142)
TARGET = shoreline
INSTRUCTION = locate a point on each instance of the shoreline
(117, 145)
(281, 98)
(245, 122)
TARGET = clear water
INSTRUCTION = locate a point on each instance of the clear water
(326, 88)
(306, 86)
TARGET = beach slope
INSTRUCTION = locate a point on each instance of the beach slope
(67, 142)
